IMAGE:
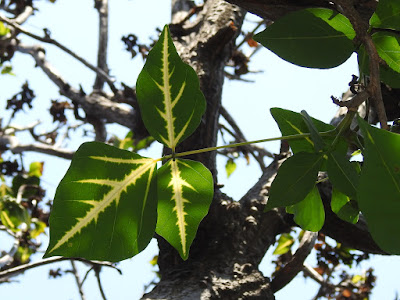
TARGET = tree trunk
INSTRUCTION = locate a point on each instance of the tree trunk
(223, 258)
(235, 235)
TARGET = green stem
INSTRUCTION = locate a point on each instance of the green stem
(287, 137)
(343, 127)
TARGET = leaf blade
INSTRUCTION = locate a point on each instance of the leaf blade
(105, 206)
(386, 15)
(379, 187)
(309, 213)
(295, 179)
(314, 38)
(185, 190)
(168, 88)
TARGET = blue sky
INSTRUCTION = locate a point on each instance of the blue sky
(74, 23)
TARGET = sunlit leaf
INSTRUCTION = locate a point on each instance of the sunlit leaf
(39, 228)
(185, 191)
(24, 253)
(379, 187)
(343, 207)
(7, 70)
(388, 46)
(13, 214)
(386, 15)
(36, 169)
(3, 29)
(169, 95)
(285, 242)
(291, 123)
(342, 174)
(314, 38)
(309, 213)
(230, 167)
(105, 206)
(295, 179)
(387, 75)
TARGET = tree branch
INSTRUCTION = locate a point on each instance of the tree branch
(11, 143)
(102, 7)
(22, 17)
(49, 40)
(22, 268)
(239, 136)
(361, 28)
(97, 270)
(295, 265)
(78, 281)
(96, 104)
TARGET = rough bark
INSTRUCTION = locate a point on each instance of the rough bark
(226, 252)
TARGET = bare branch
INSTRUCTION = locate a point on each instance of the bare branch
(96, 104)
(97, 270)
(22, 268)
(21, 18)
(239, 136)
(362, 35)
(11, 143)
(8, 258)
(102, 7)
(49, 40)
(78, 281)
(295, 265)
(307, 269)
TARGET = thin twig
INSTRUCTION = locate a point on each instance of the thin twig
(97, 270)
(22, 268)
(11, 143)
(362, 35)
(49, 40)
(77, 280)
(102, 7)
(22, 17)
(241, 138)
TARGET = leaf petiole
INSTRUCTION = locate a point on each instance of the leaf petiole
(287, 137)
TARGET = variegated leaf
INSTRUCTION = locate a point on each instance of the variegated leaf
(185, 192)
(169, 95)
(105, 207)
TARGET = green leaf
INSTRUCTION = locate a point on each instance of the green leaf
(342, 174)
(387, 15)
(285, 242)
(295, 179)
(313, 38)
(39, 228)
(7, 70)
(379, 187)
(343, 207)
(387, 45)
(315, 136)
(387, 75)
(230, 167)
(169, 95)
(291, 123)
(36, 169)
(309, 213)
(105, 206)
(13, 214)
(20, 180)
(3, 29)
(185, 192)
